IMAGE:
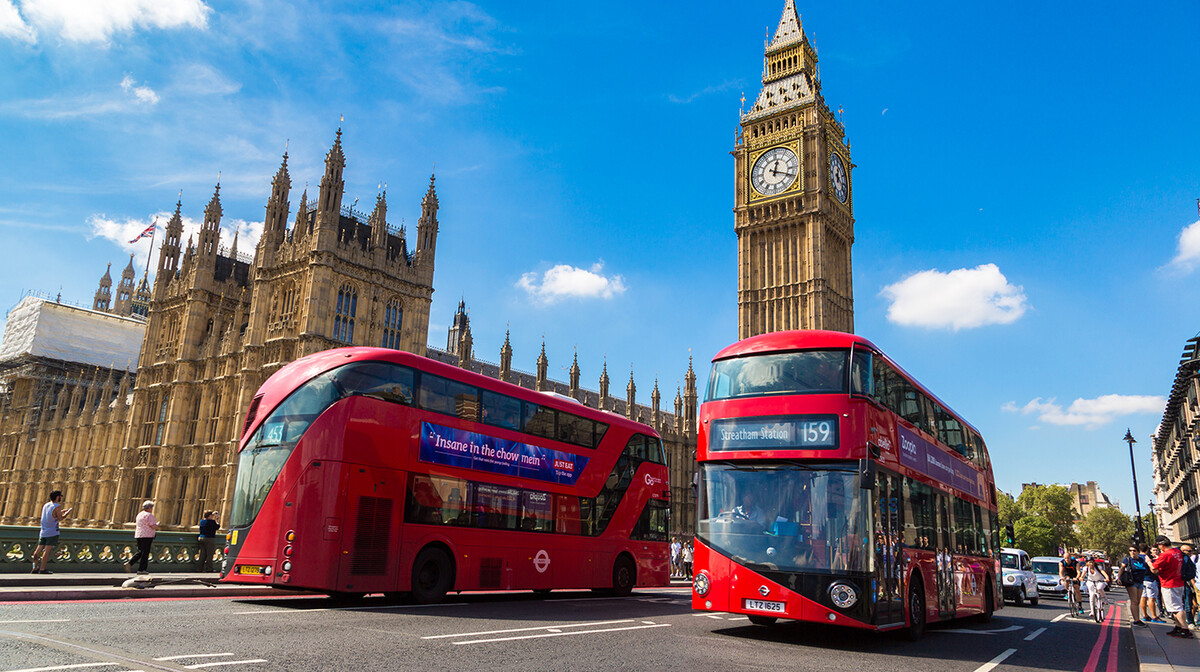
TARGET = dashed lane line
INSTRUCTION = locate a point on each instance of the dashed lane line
(1034, 634)
(195, 655)
(64, 667)
(40, 620)
(991, 664)
(225, 662)
(542, 627)
(1058, 618)
(968, 631)
(563, 634)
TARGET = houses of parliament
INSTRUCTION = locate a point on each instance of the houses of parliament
(143, 395)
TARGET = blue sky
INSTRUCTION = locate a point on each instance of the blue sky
(1025, 189)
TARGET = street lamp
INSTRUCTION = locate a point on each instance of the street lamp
(1153, 518)
(1141, 535)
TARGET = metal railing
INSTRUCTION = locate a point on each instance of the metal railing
(87, 550)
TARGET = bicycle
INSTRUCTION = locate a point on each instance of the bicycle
(1097, 603)
(1073, 605)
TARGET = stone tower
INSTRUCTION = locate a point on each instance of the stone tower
(793, 212)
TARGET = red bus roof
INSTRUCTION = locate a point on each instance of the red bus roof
(284, 381)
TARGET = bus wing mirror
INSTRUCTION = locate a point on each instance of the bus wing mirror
(866, 474)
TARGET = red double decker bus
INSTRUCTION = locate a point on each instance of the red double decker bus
(836, 489)
(365, 470)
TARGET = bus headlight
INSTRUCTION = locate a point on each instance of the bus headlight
(267, 570)
(700, 584)
(843, 595)
(287, 565)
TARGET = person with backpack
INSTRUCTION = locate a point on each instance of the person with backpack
(1169, 567)
(1132, 575)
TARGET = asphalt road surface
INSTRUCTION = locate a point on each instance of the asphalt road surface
(650, 630)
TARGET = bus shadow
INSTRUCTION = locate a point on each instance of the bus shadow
(561, 605)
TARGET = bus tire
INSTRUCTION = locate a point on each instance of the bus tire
(761, 620)
(624, 576)
(916, 611)
(541, 592)
(432, 575)
(989, 604)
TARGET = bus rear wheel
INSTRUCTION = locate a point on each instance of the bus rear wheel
(989, 605)
(432, 576)
(761, 620)
(624, 576)
(916, 611)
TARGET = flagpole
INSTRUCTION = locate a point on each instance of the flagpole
(152, 234)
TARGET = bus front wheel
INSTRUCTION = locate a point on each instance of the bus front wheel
(624, 576)
(432, 575)
(916, 611)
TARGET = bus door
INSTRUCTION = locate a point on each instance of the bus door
(370, 545)
(945, 559)
(889, 607)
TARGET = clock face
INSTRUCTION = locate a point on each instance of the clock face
(775, 171)
(837, 177)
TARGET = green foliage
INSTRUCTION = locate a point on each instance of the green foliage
(1036, 536)
(1009, 511)
(1106, 530)
(1053, 505)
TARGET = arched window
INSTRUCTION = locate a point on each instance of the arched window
(343, 319)
(392, 317)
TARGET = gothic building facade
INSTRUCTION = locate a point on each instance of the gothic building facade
(793, 206)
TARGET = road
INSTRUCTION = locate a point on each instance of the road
(650, 630)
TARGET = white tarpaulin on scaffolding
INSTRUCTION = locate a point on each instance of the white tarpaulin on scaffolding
(52, 330)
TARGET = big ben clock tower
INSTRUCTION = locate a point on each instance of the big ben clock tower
(793, 212)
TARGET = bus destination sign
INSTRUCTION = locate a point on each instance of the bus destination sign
(471, 450)
(782, 432)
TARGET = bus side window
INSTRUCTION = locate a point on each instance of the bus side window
(636, 448)
(655, 449)
(449, 397)
(860, 373)
(501, 410)
(539, 421)
(566, 514)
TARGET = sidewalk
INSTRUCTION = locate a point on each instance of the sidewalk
(1159, 652)
(96, 586)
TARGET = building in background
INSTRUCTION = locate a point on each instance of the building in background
(1176, 449)
(1087, 497)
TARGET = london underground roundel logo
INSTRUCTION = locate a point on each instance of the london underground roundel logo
(541, 561)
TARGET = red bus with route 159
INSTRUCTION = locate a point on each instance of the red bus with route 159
(369, 470)
(833, 488)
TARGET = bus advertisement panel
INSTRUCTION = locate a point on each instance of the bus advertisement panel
(365, 470)
(834, 488)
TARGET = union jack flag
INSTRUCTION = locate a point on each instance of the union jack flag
(147, 233)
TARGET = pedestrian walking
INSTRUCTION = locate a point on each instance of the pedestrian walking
(1150, 589)
(1189, 586)
(687, 559)
(208, 540)
(1169, 567)
(52, 513)
(144, 529)
(1137, 569)
(676, 550)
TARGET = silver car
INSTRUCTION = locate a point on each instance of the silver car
(1046, 567)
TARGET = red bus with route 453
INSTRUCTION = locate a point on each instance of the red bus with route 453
(368, 470)
(834, 488)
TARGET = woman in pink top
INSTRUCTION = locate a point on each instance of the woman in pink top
(143, 533)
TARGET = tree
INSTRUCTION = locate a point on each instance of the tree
(1054, 505)
(1106, 530)
(1009, 511)
(1035, 536)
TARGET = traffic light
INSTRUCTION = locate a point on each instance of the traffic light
(1010, 535)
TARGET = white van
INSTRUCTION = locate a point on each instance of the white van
(1019, 581)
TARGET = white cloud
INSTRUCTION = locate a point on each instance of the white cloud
(961, 299)
(1091, 413)
(13, 26)
(96, 21)
(142, 94)
(1187, 256)
(706, 91)
(568, 282)
(121, 231)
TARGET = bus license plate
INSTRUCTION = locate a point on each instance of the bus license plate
(764, 605)
(249, 569)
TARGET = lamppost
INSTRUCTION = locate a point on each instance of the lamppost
(1141, 534)
(1153, 518)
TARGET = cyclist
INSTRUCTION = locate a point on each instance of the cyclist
(1096, 579)
(1068, 573)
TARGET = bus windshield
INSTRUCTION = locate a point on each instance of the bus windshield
(800, 372)
(786, 517)
(268, 449)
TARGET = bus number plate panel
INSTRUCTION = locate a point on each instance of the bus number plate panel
(249, 569)
(765, 605)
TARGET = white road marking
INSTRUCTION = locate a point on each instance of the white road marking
(1058, 618)
(563, 634)
(991, 664)
(195, 655)
(1035, 633)
(740, 618)
(543, 627)
(226, 662)
(43, 620)
(965, 631)
(64, 667)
